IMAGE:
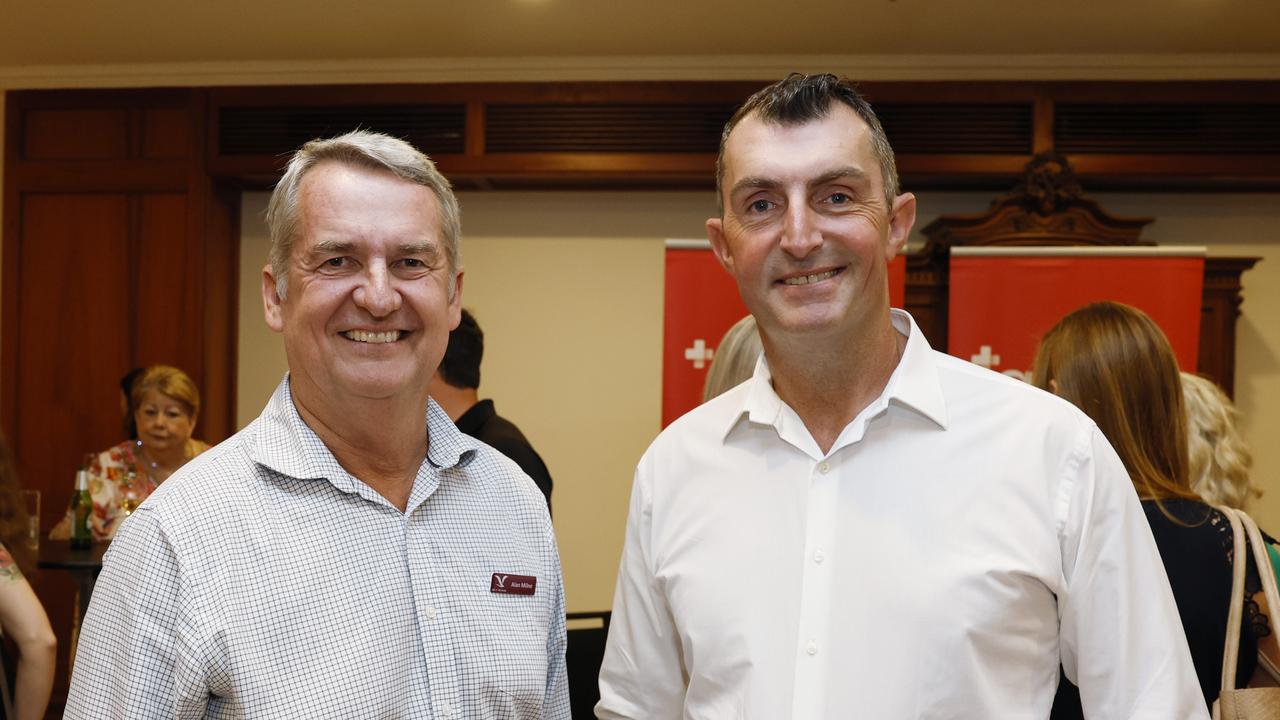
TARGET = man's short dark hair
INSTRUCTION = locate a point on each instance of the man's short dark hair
(461, 365)
(798, 99)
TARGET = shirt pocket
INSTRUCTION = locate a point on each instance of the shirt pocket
(515, 667)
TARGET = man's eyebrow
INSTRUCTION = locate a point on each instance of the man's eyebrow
(848, 172)
(418, 248)
(754, 182)
(326, 247)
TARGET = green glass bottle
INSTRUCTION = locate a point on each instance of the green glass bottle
(81, 510)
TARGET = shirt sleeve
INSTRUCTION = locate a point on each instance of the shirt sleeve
(642, 675)
(1121, 637)
(140, 654)
(557, 693)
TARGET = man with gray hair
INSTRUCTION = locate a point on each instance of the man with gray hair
(350, 553)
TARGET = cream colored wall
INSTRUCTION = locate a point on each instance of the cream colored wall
(568, 287)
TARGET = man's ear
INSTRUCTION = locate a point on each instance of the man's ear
(455, 302)
(272, 303)
(719, 246)
(901, 217)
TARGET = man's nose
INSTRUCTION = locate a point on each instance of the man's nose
(800, 235)
(376, 293)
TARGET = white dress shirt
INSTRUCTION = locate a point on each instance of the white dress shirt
(264, 581)
(965, 534)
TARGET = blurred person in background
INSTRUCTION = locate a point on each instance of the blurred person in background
(735, 358)
(1219, 459)
(1114, 362)
(165, 405)
(455, 386)
(22, 618)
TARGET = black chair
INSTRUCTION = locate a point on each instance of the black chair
(582, 656)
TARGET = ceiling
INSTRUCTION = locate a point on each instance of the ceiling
(75, 35)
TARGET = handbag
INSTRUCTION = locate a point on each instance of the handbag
(1253, 703)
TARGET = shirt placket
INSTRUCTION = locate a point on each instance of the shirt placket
(435, 619)
(813, 634)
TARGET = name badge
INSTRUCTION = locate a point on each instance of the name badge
(513, 584)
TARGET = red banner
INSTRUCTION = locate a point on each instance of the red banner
(702, 302)
(1003, 300)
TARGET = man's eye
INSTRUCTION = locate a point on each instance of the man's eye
(336, 262)
(839, 198)
(413, 263)
(760, 206)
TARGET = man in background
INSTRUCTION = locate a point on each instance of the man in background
(455, 386)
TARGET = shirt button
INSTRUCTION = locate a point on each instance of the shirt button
(446, 709)
(818, 557)
(432, 613)
(824, 468)
(811, 647)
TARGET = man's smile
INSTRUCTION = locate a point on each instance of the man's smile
(810, 278)
(364, 336)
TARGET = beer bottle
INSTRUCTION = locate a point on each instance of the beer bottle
(81, 510)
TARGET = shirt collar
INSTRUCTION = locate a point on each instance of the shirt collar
(287, 445)
(913, 385)
(475, 417)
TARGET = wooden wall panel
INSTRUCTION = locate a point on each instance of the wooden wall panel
(74, 312)
(112, 236)
(76, 134)
(167, 134)
(165, 286)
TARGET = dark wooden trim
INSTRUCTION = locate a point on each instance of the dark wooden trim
(100, 175)
(11, 273)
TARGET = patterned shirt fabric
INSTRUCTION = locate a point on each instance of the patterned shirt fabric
(264, 581)
(114, 476)
(964, 535)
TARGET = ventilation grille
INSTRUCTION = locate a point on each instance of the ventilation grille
(1183, 129)
(605, 128)
(433, 129)
(929, 129)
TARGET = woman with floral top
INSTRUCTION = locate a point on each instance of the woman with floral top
(165, 404)
(22, 618)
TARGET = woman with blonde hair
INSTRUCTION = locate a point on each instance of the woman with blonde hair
(735, 359)
(1219, 459)
(1115, 364)
(165, 405)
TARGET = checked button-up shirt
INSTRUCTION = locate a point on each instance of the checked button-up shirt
(264, 581)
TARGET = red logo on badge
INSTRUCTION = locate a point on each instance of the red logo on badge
(513, 584)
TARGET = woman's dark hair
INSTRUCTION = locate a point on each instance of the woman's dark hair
(126, 388)
(13, 511)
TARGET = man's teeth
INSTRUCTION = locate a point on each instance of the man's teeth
(806, 279)
(372, 337)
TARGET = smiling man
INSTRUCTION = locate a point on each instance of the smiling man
(350, 553)
(868, 528)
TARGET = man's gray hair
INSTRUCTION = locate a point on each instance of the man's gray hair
(367, 149)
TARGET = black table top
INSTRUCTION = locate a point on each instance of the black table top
(58, 555)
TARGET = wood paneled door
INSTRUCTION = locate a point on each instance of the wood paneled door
(117, 255)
